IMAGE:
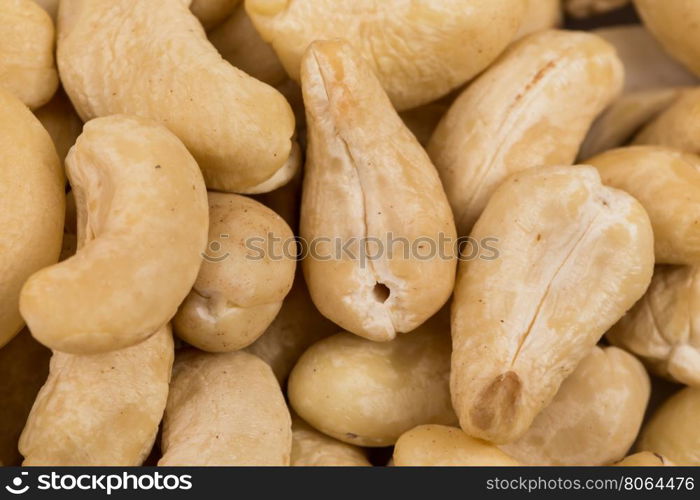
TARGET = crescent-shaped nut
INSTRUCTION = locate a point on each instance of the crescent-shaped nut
(673, 429)
(442, 446)
(419, 50)
(533, 107)
(142, 228)
(672, 200)
(27, 66)
(674, 23)
(677, 126)
(573, 257)
(310, 448)
(32, 206)
(248, 270)
(212, 12)
(100, 409)
(369, 393)
(153, 59)
(595, 416)
(663, 328)
(378, 227)
(225, 409)
(645, 459)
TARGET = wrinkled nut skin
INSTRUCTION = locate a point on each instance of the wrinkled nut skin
(595, 416)
(367, 176)
(32, 206)
(239, 43)
(225, 409)
(100, 409)
(27, 66)
(589, 8)
(639, 51)
(672, 200)
(369, 393)
(142, 227)
(162, 66)
(540, 15)
(673, 429)
(624, 118)
(674, 23)
(574, 256)
(61, 122)
(677, 126)
(24, 365)
(533, 107)
(419, 50)
(663, 328)
(297, 326)
(442, 446)
(645, 459)
(244, 276)
(310, 448)
(212, 12)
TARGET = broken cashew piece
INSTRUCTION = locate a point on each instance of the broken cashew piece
(245, 275)
(142, 227)
(574, 256)
(672, 200)
(310, 448)
(366, 175)
(32, 206)
(533, 107)
(442, 446)
(225, 409)
(595, 416)
(100, 409)
(27, 66)
(162, 66)
(663, 328)
(419, 50)
(369, 393)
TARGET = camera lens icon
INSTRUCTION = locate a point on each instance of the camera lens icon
(16, 487)
(213, 251)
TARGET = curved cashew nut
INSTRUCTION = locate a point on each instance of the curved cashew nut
(245, 275)
(32, 198)
(142, 226)
(162, 66)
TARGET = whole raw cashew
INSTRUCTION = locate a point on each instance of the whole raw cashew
(225, 409)
(27, 66)
(419, 50)
(674, 23)
(142, 227)
(595, 416)
(442, 446)
(246, 273)
(574, 256)
(32, 206)
(533, 107)
(61, 122)
(647, 65)
(239, 43)
(100, 409)
(369, 393)
(24, 365)
(672, 200)
(676, 127)
(162, 66)
(540, 15)
(673, 429)
(624, 118)
(212, 12)
(664, 327)
(297, 326)
(645, 459)
(310, 448)
(374, 215)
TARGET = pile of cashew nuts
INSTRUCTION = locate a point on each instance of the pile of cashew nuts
(177, 178)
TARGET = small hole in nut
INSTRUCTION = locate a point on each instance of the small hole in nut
(381, 292)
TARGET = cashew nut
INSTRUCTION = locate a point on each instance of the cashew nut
(61, 122)
(677, 126)
(540, 15)
(310, 448)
